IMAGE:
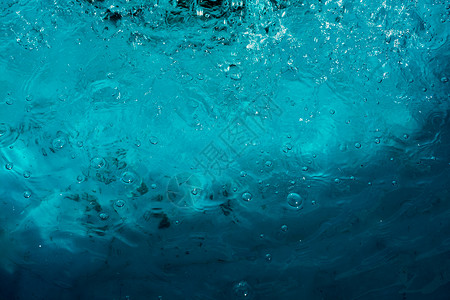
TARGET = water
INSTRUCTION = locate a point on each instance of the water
(163, 149)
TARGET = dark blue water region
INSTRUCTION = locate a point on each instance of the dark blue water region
(250, 149)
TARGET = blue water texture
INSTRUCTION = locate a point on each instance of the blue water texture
(224, 149)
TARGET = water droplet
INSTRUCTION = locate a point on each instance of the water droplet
(154, 140)
(26, 174)
(242, 290)
(247, 196)
(243, 173)
(268, 257)
(120, 203)
(59, 142)
(98, 162)
(9, 166)
(128, 177)
(358, 145)
(27, 194)
(295, 200)
(268, 163)
(103, 216)
(284, 228)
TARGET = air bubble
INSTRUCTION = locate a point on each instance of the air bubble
(27, 194)
(120, 203)
(128, 177)
(284, 228)
(295, 200)
(9, 166)
(377, 141)
(3, 129)
(58, 143)
(154, 140)
(243, 173)
(337, 180)
(153, 186)
(103, 216)
(7, 135)
(98, 163)
(357, 145)
(332, 111)
(444, 79)
(26, 174)
(287, 147)
(268, 257)
(9, 101)
(268, 163)
(234, 72)
(247, 196)
(80, 178)
(242, 290)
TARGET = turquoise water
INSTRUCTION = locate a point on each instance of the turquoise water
(224, 149)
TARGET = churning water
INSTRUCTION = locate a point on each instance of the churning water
(217, 149)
